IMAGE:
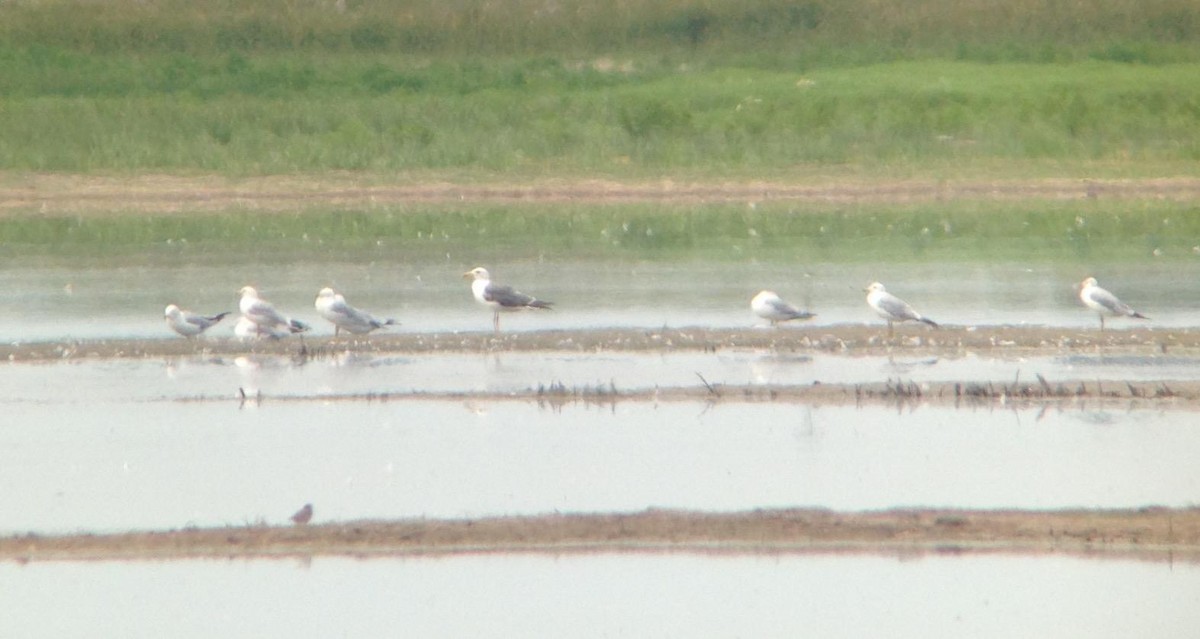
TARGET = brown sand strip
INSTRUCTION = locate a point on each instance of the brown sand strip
(55, 194)
(844, 339)
(1148, 533)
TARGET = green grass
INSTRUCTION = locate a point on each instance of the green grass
(820, 31)
(283, 115)
(963, 232)
(583, 87)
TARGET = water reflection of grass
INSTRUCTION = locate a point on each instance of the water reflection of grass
(960, 231)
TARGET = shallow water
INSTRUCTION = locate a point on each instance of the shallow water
(50, 303)
(104, 445)
(110, 466)
(604, 595)
(87, 381)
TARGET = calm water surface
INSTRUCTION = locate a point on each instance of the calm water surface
(605, 595)
(88, 381)
(110, 466)
(55, 303)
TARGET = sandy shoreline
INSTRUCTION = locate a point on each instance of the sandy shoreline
(105, 196)
(846, 339)
(1147, 533)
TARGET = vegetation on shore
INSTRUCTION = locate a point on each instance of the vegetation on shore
(960, 231)
(818, 31)
(571, 87)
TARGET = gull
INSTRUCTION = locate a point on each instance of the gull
(892, 308)
(1103, 302)
(302, 516)
(189, 324)
(268, 320)
(770, 306)
(499, 298)
(333, 307)
(244, 330)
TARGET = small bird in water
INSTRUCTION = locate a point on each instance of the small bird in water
(892, 308)
(189, 324)
(264, 316)
(771, 307)
(1104, 302)
(303, 516)
(500, 298)
(332, 306)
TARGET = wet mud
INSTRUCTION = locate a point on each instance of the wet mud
(847, 340)
(1147, 533)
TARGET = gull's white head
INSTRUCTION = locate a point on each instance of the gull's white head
(1090, 281)
(171, 311)
(326, 293)
(248, 291)
(874, 287)
(477, 273)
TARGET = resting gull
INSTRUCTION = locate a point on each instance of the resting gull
(770, 306)
(189, 324)
(332, 306)
(892, 308)
(246, 330)
(262, 314)
(1104, 302)
(500, 298)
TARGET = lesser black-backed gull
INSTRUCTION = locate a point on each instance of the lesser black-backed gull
(500, 298)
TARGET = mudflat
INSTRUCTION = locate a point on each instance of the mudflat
(105, 196)
(1147, 533)
(848, 339)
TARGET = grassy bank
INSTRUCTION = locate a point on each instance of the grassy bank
(1111, 232)
(763, 31)
(279, 115)
(516, 87)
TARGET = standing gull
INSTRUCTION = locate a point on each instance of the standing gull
(333, 307)
(892, 308)
(189, 324)
(770, 306)
(499, 298)
(264, 316)
(1103, 302)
